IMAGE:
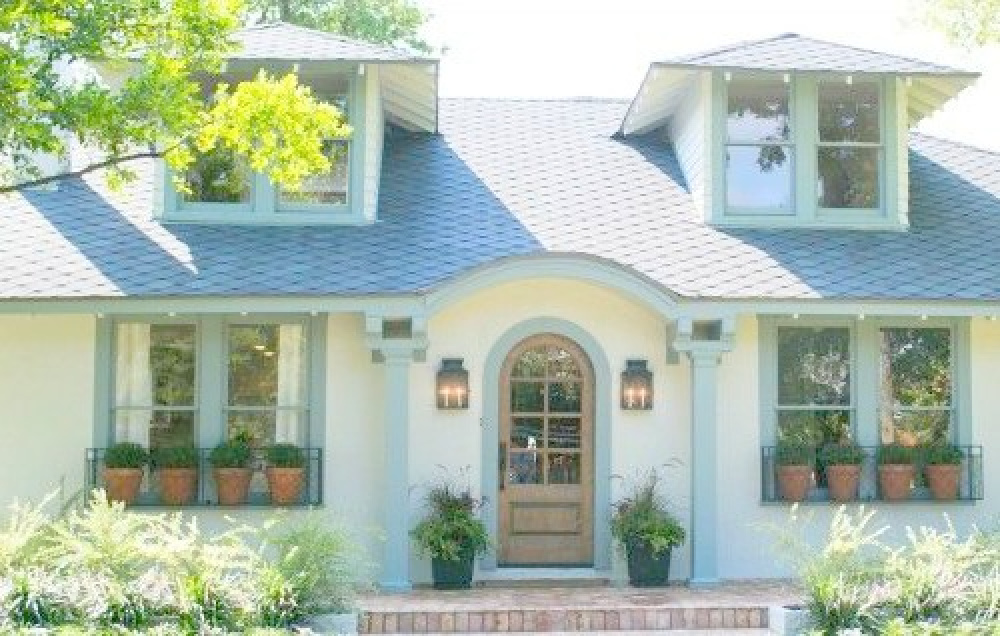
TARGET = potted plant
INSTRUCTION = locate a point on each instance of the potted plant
(795, 470)
(895, 471)
(452, 535)
(123, 467)
(285, 473)
(231, 463)
(842, 462)
(943, 470)
(177, 467)
(648, 532)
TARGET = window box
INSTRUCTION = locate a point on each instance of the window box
(312, 492)
(970, 478)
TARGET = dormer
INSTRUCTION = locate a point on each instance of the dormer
(793, 132)
(372, 85)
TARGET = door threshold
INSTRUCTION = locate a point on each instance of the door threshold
(520, 576)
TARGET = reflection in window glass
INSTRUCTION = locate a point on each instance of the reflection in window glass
(329, 187)
(849, 112)
(814, 385)
(155, 384)
(758, 111)
(759, 177)
(848, 177)
(564, 468)
(267, 383)
(915, 385)
(218, 177)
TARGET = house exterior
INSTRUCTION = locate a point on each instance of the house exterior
(546, 298)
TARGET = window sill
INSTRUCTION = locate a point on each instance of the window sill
(317, 215)
(204, 494)
(836, 220)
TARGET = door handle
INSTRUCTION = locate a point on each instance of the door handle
(502, 464)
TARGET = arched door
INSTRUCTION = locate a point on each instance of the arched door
(546, 456)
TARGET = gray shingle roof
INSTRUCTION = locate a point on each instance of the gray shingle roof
(281, 41)
(793, 52)
(509, 178)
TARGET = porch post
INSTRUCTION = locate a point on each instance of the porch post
(704, 341)
(704, 469)
(396, 345)
(396, 571)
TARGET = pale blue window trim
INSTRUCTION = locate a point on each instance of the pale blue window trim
(864, 372)
(264, 206)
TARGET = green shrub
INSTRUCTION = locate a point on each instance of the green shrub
(643, 516)
(175, 457)
(840, 454)
(788, 454)
(895, 454)
(451, 528)
(126, 455)
(942, 454)
(235, 453)
(286, 456)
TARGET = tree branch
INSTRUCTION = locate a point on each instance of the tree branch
(151, 154)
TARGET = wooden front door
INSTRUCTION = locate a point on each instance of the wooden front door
(546, 497)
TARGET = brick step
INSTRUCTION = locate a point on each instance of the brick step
(562, 619)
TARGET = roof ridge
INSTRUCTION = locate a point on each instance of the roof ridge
(729, 47)
(900, 56)
(337, 37)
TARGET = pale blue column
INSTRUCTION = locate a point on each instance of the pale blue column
(396, 570)
(704, 466)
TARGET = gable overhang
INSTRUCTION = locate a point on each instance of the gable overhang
(666, 83)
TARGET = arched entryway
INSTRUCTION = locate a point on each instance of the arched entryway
(545, 454)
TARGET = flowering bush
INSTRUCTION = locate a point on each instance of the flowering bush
(101, 569)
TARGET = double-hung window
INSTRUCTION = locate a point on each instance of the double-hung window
(849, 144)
(155, 384)
(814, 395)
(915, 385)
(759, 147)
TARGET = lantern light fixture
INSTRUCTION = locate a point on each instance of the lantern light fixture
(637, 386)
(452, 384)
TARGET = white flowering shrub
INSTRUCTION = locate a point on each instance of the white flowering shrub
(102, 569)
(935, 583)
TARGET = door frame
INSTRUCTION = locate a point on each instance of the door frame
(601, 425)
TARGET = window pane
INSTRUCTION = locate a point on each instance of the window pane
(526, 432)
(915, 388)
(329, 187)
(154, 428)
(564, 397)
(848, 177)
(527, 397)
(564, 468)
(814, 428)
(562, 364)
(849, 112)
(217, 177)
(814, 366)
(531, 364)
(525, 467)
(759, 177)
(758, 111)
(267, 365)
(564, 432)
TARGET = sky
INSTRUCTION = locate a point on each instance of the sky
(590, 48)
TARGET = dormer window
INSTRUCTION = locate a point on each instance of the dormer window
(849, 143)
(759, 147)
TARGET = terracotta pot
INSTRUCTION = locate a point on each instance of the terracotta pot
(178, 485)
(285, 484)
(232, 485)
(794, 482)
(943, 480)
(843, 481)
(122, 484)
(895, 481)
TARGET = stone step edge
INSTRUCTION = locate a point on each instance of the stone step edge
(540, 620)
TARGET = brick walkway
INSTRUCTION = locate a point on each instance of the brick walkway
(737, 605)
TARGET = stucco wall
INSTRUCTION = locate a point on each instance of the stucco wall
(47, 392)
(745, 546)
(624, 328)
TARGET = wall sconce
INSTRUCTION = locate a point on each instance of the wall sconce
(637, 386)
(452, 385)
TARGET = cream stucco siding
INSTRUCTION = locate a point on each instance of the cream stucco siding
(47, 389)
(623, 327)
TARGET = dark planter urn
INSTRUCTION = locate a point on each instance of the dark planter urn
(645, 569)
(454, 575)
